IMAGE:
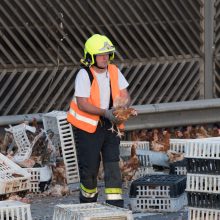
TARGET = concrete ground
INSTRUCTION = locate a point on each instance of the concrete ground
(42, 208)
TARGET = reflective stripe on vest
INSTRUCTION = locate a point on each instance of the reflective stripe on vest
(83, 118)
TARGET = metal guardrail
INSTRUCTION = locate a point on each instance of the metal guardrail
(175, 114)
(154, 115)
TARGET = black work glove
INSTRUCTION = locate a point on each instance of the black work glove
(109, 115)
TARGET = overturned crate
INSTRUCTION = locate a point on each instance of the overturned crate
(63, 140)
(40, 178)
(12, 177)
(91, 211)
(11, 210)
(22, 142)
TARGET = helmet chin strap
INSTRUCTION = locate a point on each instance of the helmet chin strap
(102, 68)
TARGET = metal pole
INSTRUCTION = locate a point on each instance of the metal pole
(209, 32)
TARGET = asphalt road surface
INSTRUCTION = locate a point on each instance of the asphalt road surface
(42, 208)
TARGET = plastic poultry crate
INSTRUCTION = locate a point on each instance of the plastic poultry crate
(158, 204)
(22, 141)
(143, 171)
(203, 166)
(12, 210)
(158, 186)
(142, 149)
(12, 177)
(203, 200)
(63, 136)
(91, 211)
(208, 149)
(179, 145)
(203, 183)
(38, 175)
(203, 214)
(142, 145)
(179, 167)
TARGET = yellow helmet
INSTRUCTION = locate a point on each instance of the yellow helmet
(97, 44)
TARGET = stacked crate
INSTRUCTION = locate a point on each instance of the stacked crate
(164, 193)
(179, 146)
(203, 179)
(91, 211)
(56, 121)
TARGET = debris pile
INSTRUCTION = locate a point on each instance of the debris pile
(31, 163)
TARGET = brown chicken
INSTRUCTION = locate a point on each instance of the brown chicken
(129, 168)
(174, 156)
(202, 132)
(59, 174)
(215, 131)
(161, 142)
(123, 114)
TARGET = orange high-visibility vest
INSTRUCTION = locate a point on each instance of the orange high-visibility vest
(85, 121)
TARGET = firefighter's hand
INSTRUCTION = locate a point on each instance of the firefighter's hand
(110, 116)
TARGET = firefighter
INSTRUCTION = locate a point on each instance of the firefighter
(97, 84)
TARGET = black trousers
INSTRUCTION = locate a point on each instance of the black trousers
(89, 146)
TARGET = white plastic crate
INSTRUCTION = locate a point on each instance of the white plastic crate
(11, 210)
(38, 174)
(12, 177)
(153, 191)
(208, 149)
(203, 183)
(125, 146)
(179, 145)
(203, 214)
(158, 204)
(50, 123)
(91, 211)
(63, 134)
(142, 149)
(22, 141)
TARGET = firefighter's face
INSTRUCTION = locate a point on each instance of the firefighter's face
(102, 60)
